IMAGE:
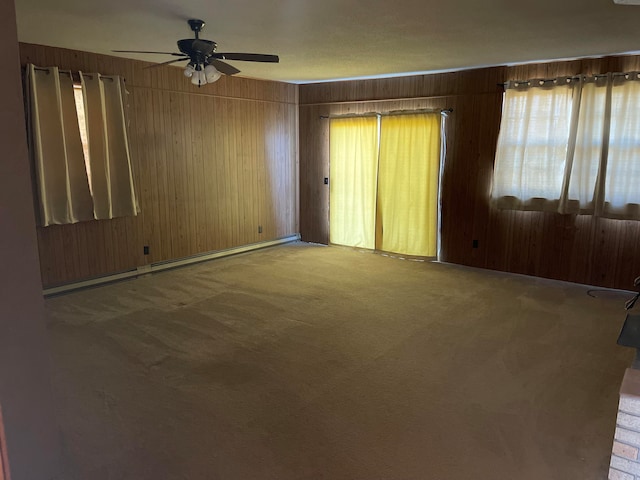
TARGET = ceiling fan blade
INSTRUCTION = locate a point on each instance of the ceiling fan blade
(167, 63)
(223, 67)
(140, 51)
(247, 57)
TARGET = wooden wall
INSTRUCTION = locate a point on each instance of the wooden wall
(211, 164)
(580, 249)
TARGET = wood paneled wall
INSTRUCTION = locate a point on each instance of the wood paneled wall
(580, 249)
(211, 164)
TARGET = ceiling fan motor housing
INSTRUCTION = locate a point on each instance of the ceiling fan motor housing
(197, 49)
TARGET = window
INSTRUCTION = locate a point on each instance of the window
(78, 141)
(571, 145)
(82, 124)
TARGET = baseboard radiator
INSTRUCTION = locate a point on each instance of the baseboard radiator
(157, 267)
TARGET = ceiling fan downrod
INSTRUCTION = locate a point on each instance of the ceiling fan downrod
(196, 26)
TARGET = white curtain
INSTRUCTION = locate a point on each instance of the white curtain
(532, 145)
(109, 158)
(584, 154)
(571, 146)
(621, 197)
(63, 189)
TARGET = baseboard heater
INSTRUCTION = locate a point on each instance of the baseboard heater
(166, 265)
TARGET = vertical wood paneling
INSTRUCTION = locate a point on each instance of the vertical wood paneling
(581, 249)
(210, 165)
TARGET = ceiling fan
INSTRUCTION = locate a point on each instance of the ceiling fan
(205, 63)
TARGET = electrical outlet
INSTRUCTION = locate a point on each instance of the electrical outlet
(326, 180)
(145, 249)
(259, 228)
(475, 244)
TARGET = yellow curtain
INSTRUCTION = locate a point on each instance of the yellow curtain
(408, 184)
(353, 176)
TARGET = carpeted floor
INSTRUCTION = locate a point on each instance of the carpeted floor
(309, 362)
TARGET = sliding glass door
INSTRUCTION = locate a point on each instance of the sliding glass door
(384, 175)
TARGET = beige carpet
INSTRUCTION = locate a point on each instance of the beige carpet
(310, 362)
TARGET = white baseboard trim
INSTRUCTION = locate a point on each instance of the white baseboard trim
(158, 267)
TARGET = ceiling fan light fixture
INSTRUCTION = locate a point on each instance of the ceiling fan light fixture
(212, 74)
(199, 78)
(189, 70)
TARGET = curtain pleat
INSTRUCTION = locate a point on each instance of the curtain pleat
(353, 175)
(110, 162)
(55, 143)
(585, 156)
(408, 184)
(621, 197)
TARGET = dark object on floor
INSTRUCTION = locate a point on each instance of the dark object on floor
(630, 336)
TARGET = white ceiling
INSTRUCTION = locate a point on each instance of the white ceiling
(321, 40)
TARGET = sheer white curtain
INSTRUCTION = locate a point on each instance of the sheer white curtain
(532, 145)
(603, 173)
(622, 185)
(584, 154)
(56, 147)
(109, 158)
(572, 147)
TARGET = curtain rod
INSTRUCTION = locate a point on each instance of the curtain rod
(441, 111)
(570, 77)
(73, 74)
